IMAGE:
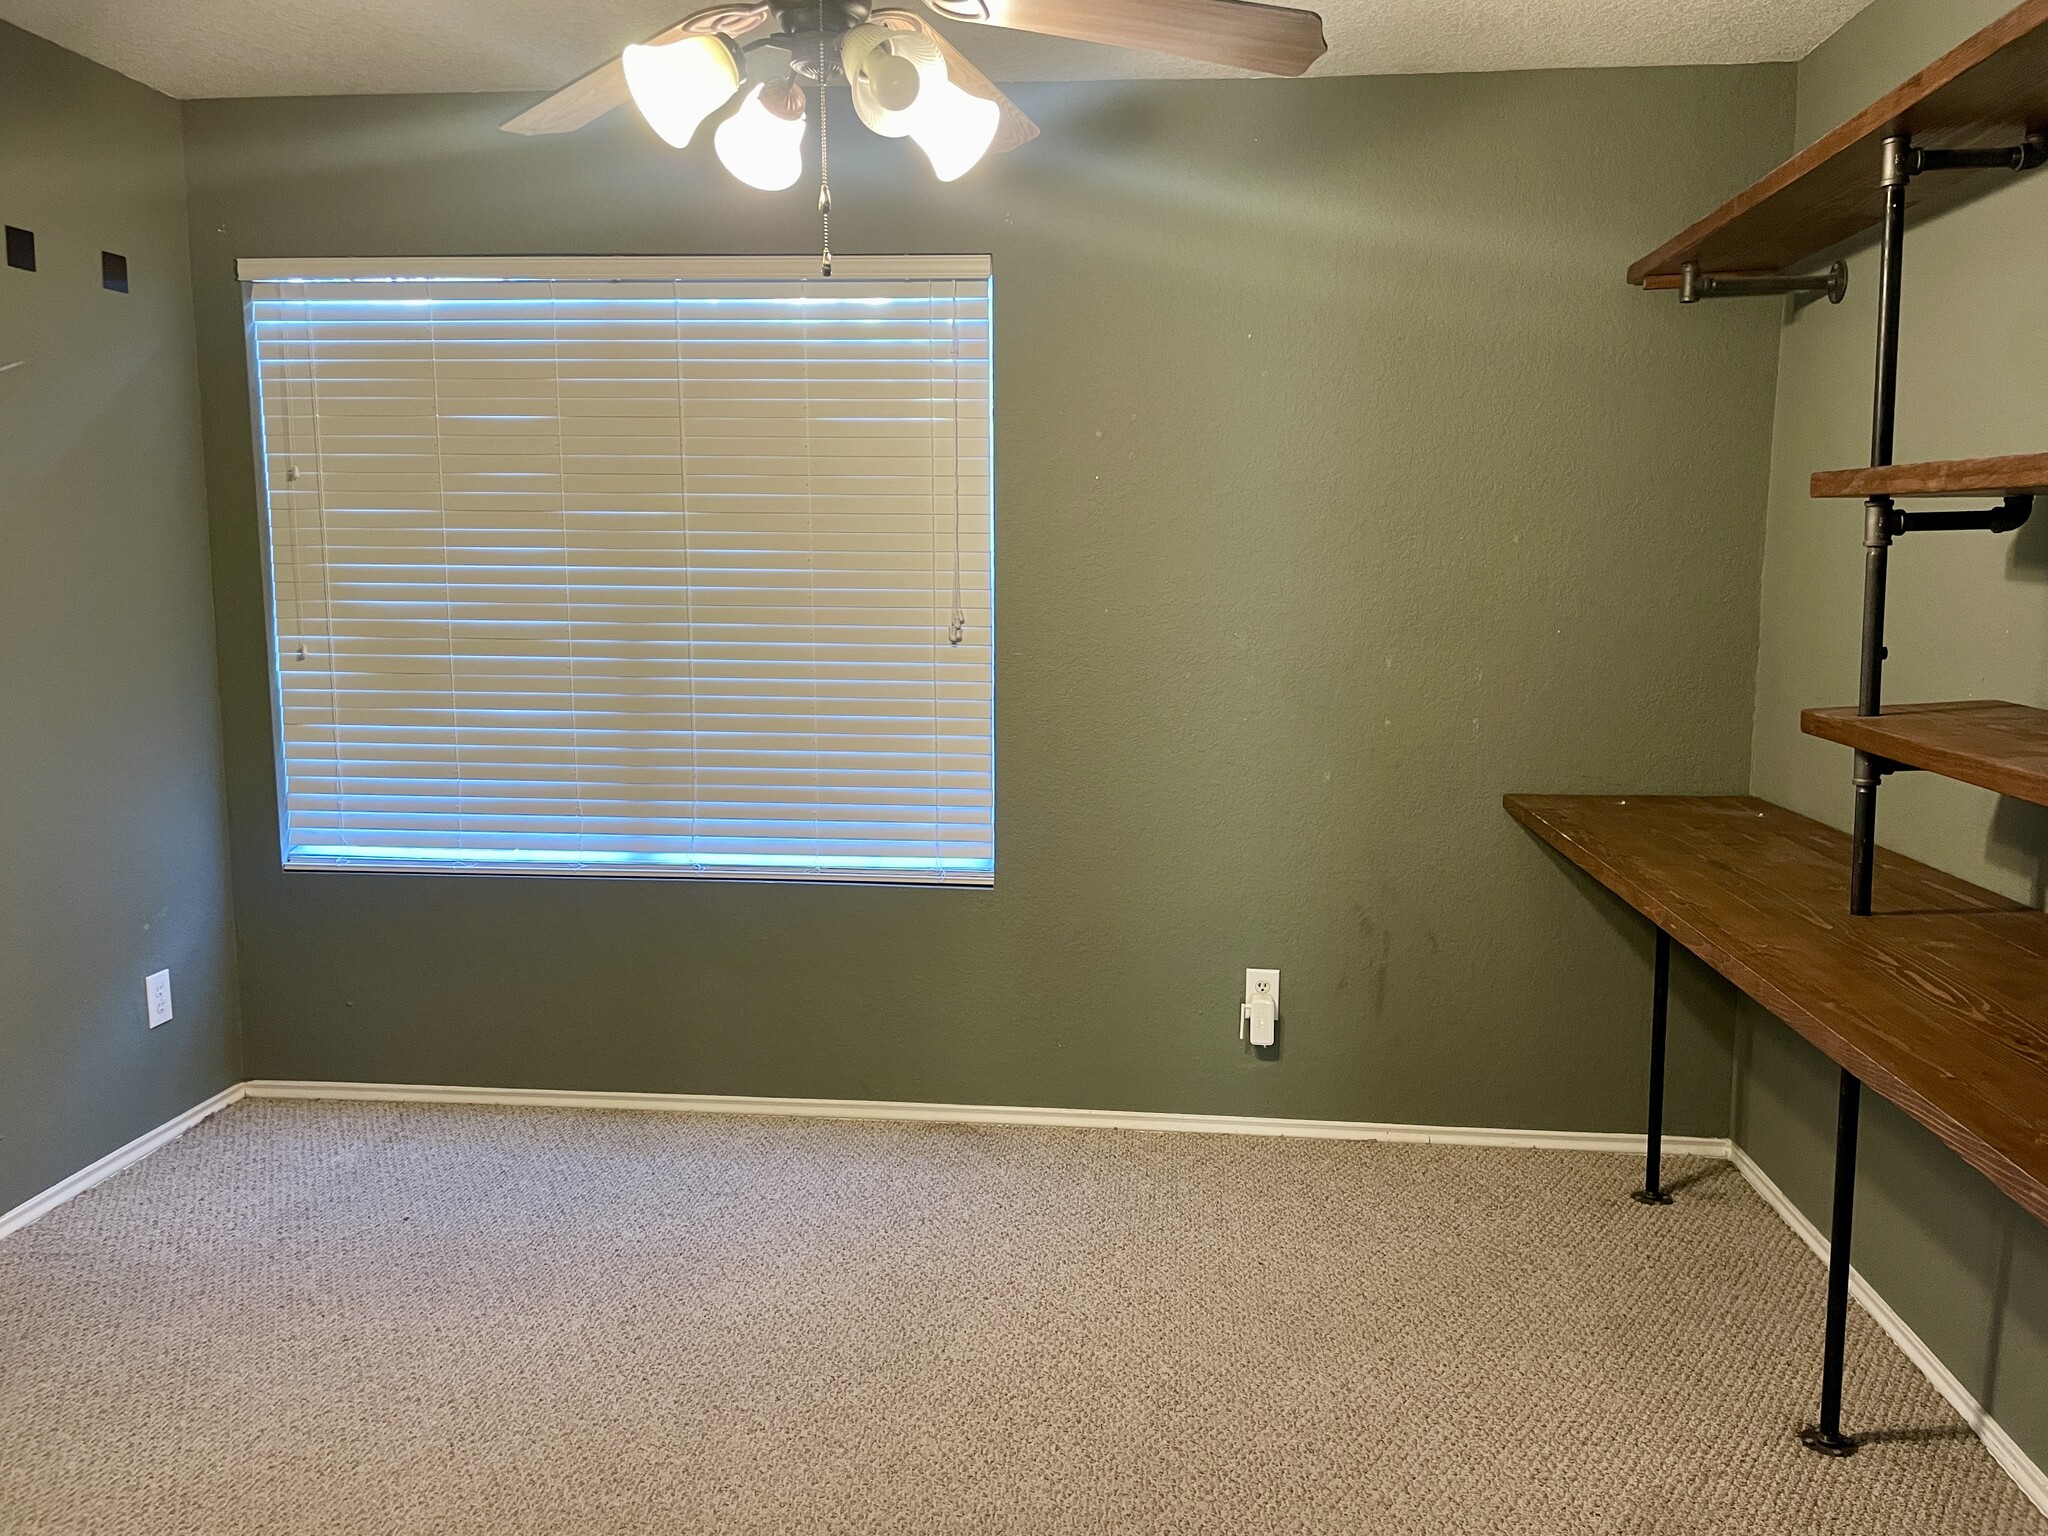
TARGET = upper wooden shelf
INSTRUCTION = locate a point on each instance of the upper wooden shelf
(2019, 474)
(1987, 742)
(1989, 91)
(1938, 1000)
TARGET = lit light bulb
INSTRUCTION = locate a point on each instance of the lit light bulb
(762, 148)
(953, 128)
(677, 85)
(889, 72)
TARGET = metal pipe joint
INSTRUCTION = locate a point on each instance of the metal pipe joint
(2026, 155)
(1900, 161)
(1883, 521)
(1695, 285)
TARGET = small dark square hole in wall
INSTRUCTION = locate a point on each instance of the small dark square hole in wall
(21, 248)
(113, 271)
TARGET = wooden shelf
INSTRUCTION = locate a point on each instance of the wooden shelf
(1996, 746)
(1938, 1001)
(2019, 474)
(1988, 91)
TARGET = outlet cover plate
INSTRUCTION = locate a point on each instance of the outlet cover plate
(1262, 984)
(157, 987)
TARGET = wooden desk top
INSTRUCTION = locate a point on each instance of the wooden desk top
(1938, 1000)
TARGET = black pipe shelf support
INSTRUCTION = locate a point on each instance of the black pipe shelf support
(1884, 522)
(2007, 517)
(1824, 1436)
(1696, 285)
(2029, 154)
(1653, 1191)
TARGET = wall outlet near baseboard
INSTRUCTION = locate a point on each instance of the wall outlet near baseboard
(157, 988)
(1260, 1016)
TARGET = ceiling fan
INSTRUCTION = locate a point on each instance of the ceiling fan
(907, 80)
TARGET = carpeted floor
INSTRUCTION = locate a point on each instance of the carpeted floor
(367, 1319)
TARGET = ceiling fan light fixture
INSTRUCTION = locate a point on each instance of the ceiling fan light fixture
(891, 74)
(894, 80)
(677, 85)
(763, 148)
(954, 129)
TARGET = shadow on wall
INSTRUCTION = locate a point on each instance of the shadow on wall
(2027, 556)
(2017, 839)
(2006, 1350)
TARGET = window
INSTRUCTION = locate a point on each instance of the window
(634, 566)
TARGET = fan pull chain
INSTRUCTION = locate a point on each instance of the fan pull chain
(824, 146)
(824, 187)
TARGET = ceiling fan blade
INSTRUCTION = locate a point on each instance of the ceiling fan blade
(1272, 39)
(1015, 128)
(588, 98)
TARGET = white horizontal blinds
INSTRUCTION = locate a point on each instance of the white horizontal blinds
(632, 574)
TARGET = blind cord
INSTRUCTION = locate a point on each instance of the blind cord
(328, 627)
(568, 564)
(958, 631)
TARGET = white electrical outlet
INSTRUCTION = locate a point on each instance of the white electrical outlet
(157, 987)
(1266, 984)
(1259, 1018)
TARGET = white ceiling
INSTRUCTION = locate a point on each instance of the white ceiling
(203, 48)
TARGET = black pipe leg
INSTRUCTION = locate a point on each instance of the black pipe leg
(1652, 1192)
(1877, 537)
(1879, 521)
(1863, 842)
(1826, 1436)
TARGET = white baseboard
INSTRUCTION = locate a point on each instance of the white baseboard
(985, 1114)
(2018, 1465)
(121, 1157)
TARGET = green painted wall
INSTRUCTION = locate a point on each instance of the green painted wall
(112, 835)
(1339, 493)
(1965, 1267)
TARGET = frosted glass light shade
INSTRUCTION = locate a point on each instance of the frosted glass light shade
(953, 128)
(760, 148)
(890, 74)
(677, 85)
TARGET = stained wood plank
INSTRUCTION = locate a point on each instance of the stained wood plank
(2017, 474)
(1987, 91)
(1939, 1000)
(1987, 742)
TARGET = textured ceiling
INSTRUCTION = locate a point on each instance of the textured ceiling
(200, 48)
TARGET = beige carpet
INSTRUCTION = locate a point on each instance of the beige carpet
(369, 1319)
